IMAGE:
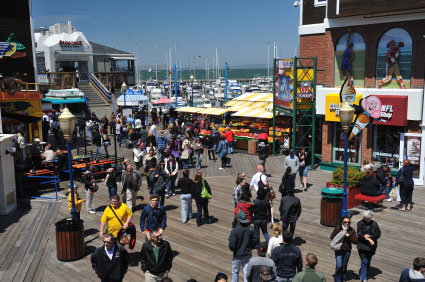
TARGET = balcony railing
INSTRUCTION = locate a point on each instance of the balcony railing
(60, 80)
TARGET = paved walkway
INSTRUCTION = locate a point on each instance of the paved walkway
(28, 246)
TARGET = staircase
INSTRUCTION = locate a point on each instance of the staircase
(97, 103)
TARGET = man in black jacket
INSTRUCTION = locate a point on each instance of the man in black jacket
(110, 261)
(242, 240)
(156, 257)
(288, 258)
(290, 211)
(97, 140)
(185, 185)
(368, 233)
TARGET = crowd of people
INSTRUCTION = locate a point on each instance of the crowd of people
(158, 156)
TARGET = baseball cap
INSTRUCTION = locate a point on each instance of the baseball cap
(242, 217)
(262, 249)
(37, 140)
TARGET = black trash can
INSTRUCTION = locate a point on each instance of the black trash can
(69, 239)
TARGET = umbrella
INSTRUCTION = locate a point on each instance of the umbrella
(163, 101)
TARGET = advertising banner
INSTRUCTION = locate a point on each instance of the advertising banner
(333, 104)
(283, 83)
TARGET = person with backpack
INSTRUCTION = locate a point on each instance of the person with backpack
(259, 182)
(91, 187)
(263, 152)
(246, 206)
(222, 152)
(97, 140)
(153, 217)
(287, 182)
(290, 211)
(159, 179)
(343, 249)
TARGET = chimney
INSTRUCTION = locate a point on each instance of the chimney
(69, 26)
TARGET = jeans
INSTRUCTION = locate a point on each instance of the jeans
(160, 153)
(185, 163)
(380, 190)
(198, 161)
(406, 192)
(202, 204)
(387, 191)
(186, 200)
(230, 147)
(89, 135)
(283, 279)
(130, 198)
(89, 200)
(133, 144)
(236, 265)
(138, 165)
(98, 151)
(171, 182)
(341, 258)
(215, 146)
(365, 265)
(291, 225)
(112, 191)
(223, 162)
(211, 152)
(262, 224)
(105, 145)
(119, 139)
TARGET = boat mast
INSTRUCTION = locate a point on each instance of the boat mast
(268, 60)
(156, 61)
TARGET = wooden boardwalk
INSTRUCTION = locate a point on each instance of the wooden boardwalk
(28, 246)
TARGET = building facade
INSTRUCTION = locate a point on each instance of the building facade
(379, 46)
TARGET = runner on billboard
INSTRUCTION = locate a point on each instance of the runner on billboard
(391, 63)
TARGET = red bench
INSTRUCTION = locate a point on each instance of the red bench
(374, 200)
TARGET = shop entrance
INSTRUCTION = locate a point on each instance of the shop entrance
(411, 148)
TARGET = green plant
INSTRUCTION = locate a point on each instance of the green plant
(354, 176)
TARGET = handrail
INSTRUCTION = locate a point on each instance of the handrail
(102, 88)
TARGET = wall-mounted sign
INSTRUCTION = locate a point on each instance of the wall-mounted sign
(333, 104)
(15, 106)
(7, 48)
(76, 44)
(42, 78)
(393, 110)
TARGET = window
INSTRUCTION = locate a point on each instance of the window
(354, 147)
(386, 145)
(319, 3)
(394, 59)
(350, 59)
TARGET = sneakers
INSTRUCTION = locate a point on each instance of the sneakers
(174, 194)
(220, 168)
(167, 196)
(301, 185)
(92, 212)
(389, 200)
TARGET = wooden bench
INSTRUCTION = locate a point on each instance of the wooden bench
(370, 202)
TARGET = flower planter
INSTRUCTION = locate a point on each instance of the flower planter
(351, 192)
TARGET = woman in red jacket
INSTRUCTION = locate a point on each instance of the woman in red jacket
(245, 206)
(343, 255)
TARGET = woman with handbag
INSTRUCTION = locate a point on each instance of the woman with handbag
(201, 193)
(405, 180)
(343, 248)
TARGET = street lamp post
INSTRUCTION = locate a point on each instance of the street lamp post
(346, 114)
(123, 91)
(115, 142)
(67, 125)
(191, 80)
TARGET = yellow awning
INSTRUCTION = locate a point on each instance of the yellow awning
(231, 103)
(218, 112)
(261, 105)
(254, 113)
(189, 109)
(240, 105)
(206, 110)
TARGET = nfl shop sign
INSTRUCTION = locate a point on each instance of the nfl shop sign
(393, 110)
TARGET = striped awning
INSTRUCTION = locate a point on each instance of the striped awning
(254, 113)
(251, 97)
(239, 105)
(213, 111)
(189, 109)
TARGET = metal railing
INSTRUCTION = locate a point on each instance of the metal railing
(102, 90)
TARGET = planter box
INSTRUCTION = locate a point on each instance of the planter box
(351, 192)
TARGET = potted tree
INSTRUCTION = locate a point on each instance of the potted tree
(354, 178)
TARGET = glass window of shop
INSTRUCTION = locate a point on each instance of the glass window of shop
(354, 147)
(386, 145)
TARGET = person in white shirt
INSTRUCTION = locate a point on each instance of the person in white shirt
(171, 169)
(254, 184)
(48, 154)
(138, 156)
(153, 129)
(276, 240)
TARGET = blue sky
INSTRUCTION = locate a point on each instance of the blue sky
(240, 29)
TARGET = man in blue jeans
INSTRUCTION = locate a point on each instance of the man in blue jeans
(241, 241)
(185, 186)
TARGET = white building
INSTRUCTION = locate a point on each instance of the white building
(63, 48)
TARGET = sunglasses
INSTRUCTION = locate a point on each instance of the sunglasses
(345, 222)
(159, 236)
(107, 242)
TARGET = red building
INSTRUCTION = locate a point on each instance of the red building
(380, 46)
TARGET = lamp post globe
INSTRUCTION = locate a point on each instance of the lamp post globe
(67, 124)
(346, 114)
(124, 90)
(191, 80)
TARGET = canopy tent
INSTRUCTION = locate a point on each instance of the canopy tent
(189, 109)
(254, 113)
(252, 97)
(56, 101)
(132, 99)
(163, 101)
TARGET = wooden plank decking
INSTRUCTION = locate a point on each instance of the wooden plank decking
(28, 247)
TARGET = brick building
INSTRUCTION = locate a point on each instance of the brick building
(380, 46)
